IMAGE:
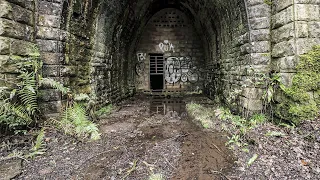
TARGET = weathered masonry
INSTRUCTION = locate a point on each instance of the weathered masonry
(114, 48)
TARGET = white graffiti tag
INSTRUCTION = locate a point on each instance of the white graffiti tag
(166, 46)
(140, 65)
(172, 70)
(180, 68)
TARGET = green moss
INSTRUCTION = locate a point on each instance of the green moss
(303, 111)
(301, 101)
(16, 58)
(268, 2)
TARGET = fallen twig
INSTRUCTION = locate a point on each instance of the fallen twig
(133, 168)
(168, 162)
(218, 172)
(12, 157)
(216, 147)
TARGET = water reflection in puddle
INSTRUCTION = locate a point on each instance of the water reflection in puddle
(173, 107)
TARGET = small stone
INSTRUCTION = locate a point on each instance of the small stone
(10, 168)
(45, 171)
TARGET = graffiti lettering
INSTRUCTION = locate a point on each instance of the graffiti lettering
(166, 46)
(180, 68)
(140, 65)
(172, 70)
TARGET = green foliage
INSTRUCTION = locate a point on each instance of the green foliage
(106, 110)
(234, 139)
(156, 177)
(202, 114)
(240, 126)
(19, 101)
(54, 84)
(75, 121)
(275, 134)
(258, 119)
(301, 100)
(19, 107)
(81, 97)
(268, 2)
(38, 147)
(252, 159)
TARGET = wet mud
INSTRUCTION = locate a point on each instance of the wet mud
(163, 140)
(144, 136)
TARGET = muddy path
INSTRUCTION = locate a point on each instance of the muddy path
(142, 137)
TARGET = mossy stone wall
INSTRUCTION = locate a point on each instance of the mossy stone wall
(91, 45)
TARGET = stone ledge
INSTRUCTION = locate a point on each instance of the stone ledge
(280, 5)
(283, 33)
(49, 95)
(285, 64)
(16, 30)
(50, 45)
(28, 4)
(260, 23)
(259, 10)
(282, 18)
(52, 107)
(307, 12)
(49, 58)
(50, 8)
(16, 13)
(251, 104)
(49, 21)
(282, 49)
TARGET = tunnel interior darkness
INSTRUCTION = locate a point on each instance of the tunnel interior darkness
(103, 48)
(109, 45)
(220, 27)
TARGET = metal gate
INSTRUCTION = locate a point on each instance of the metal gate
(156, 71)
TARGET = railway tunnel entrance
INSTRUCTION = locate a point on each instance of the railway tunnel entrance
(112, 49)
(169, 46)
(177, 66)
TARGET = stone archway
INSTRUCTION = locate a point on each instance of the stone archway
(91, 45)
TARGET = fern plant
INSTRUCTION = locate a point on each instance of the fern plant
(54, 84)
(75, 121)
(20, 106)
(38, 146)
(19, 102)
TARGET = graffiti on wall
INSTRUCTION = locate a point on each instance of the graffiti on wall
(140, 65)
(166, 46)
(180, 69)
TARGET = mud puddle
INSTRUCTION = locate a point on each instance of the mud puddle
(157, 137)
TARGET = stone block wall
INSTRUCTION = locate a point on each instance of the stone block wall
(259, 19)
(295, 29)
(239, 42)
(17, 37)
(51, 39)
